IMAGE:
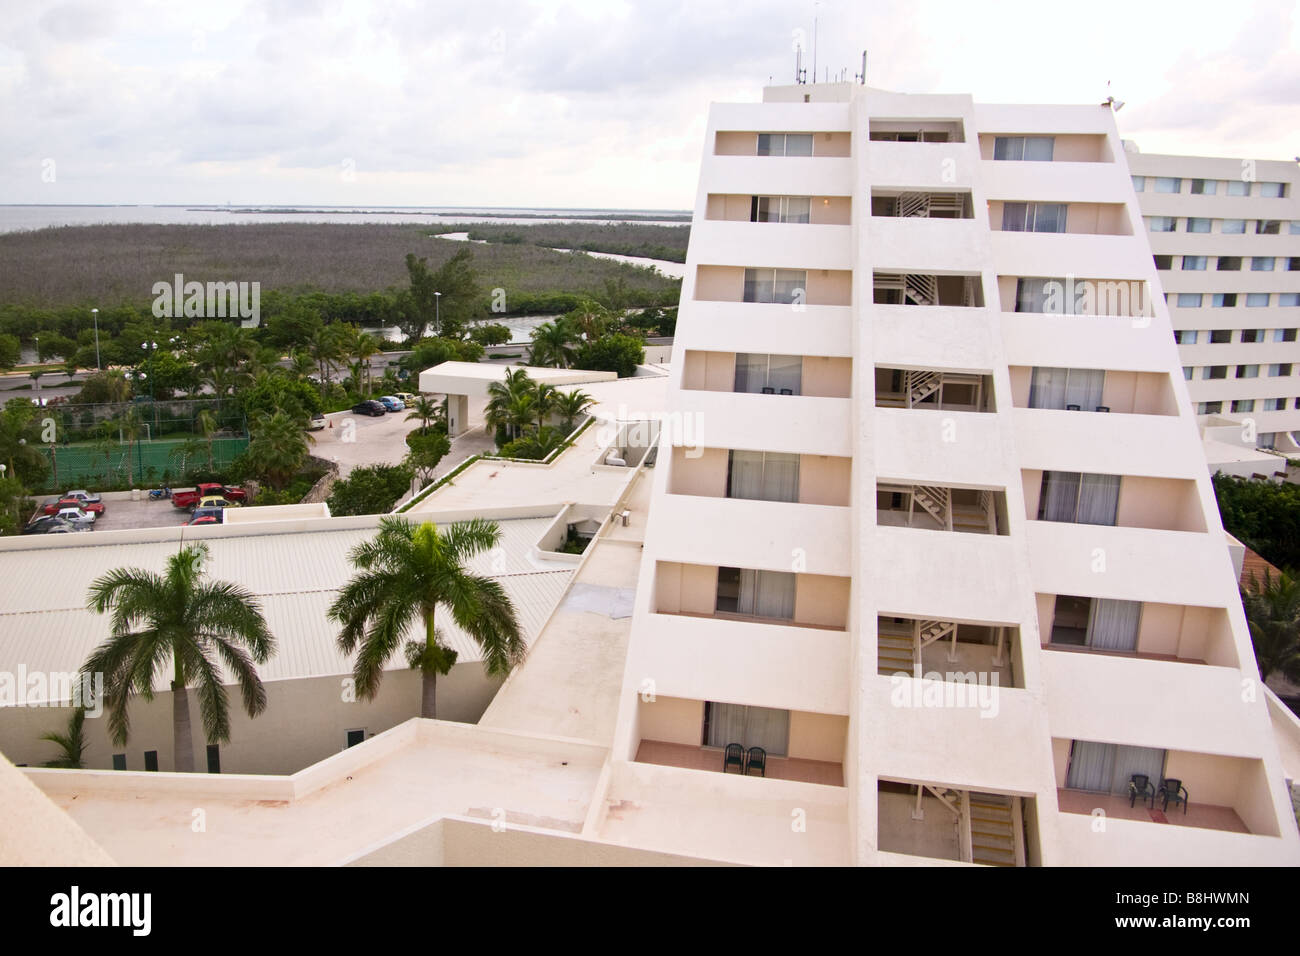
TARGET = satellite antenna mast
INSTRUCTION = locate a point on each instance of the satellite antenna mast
(862, 77)
(814, 49)
(799, 71)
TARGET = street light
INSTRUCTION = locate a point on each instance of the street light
(94, 314)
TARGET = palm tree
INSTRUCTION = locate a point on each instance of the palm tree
(301, 364)
(569, 405)
(545, 396)
(426, 410)
(278, 448)
(72, 742)
(207, 423)
(131, 428)
(406, 574)
(552, 344)
(504, 404)
(535, 445)
(1273, 614)
(198, 627)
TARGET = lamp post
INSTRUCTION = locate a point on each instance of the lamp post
(437, 312)
(94, 314)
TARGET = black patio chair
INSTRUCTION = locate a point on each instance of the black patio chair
(757, 757)
(1172, 789)
(1140, 785)
(787, 391)
(1103, 408)
(734, 755)
(769, 390)
(1072, 408)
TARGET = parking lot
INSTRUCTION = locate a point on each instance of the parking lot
(357, 440)
(119, 515)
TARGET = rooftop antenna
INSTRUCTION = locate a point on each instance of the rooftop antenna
(815, 43)
(1114, 104)
(799, 71)
(862, 77)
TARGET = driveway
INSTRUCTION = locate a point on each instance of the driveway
(358, 440)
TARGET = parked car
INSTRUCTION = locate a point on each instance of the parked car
(210, 502)
(187, 500)
(85, 497)
(49, 524)
(76, 517)
(206, 516)
(369, 407)
(317, 423)
(55, 505)
(392, 403)
(406, 398)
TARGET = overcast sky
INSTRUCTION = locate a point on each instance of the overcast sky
(588, 104)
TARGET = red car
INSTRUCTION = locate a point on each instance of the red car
(55, 505)
(188, 499)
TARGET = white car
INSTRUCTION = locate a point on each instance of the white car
(76, 517)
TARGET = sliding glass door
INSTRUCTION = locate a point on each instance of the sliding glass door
(768, 374)
(763, 476)
(1080, 498)
(1107, 768)
(1062, 388)
(756, 593)
(1099, 623)
(748, 726)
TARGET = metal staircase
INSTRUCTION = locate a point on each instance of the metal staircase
(936, 501)
(995, 828)
(916, 205)
(920, 385)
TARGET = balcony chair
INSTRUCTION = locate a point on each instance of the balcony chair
(768, 390)
(1072, 408)
(787, 391)
(1140, 785)
(757, 757)
(1171, 789)
(734, 755)
(1103, 408)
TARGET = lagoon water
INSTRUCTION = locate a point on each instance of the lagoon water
(18, 218)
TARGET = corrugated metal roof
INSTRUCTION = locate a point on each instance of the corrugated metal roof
(44, 625)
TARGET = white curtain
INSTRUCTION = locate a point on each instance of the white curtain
(1047, 388)
(1039, 148)
(785, 372)
(1084, 388)
(758, 285)
(1098, 499)
(1113, 625)
(786, 283)
(1059, 498)
(797, 209)
(780, 476)
(1131, 760)
(746, 475)
(750, 727)
(1091, 766)
(766, 593)
(751, 372)
(1014, 216)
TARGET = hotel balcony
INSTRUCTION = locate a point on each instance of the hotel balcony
(948, 650)
(1063, 148)
(1117, 501)
(1092, 390)
(1067, 294)
(1046, 218)
(940, 508)
(761, 373)
(1205, 792)
(791, 286)
(779, 210)
(918, 819)
(780, 598)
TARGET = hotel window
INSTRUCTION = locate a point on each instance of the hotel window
(214, 758)
(1047, 296)
(1267, 439)
(1033, 217)
(1220, 336)
(1168, 184)
(785, 144)
(1188, 372)
(1164, 262)
(768, 374)
(1268, 227)
(1204, 187)
(1036, 148)
(762, 727)
(1215, 372)
(1261, 264)
(1243, 405)
(1252, 336)
(1272, 190)
(1288, 298)
(1078, 498)
(1223, 300)
(1256, 300)
(119, 761)
(1279, 370)
(1067, 388)
(1185, 336)
(1284, 335)
(1247, 371)
(1229, 264)
(780, 209)
(1238, 187)
(757, 593)
(763, 475)
(1198, 225)
(1194, 263)
(151, 760)
(1189, 300)
(1209, 408)
(1097, 623)
(1233, 227)
(1295, 228)
(774, 285)
(1139, 183)
(1297, 403)
(1163, 224)
(1293, 264)
(354, 737)
(1275, 404)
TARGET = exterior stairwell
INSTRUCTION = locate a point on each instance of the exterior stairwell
(916, 205)
(895, 653)
(936, 502)
(920, 385)
(995, 828)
